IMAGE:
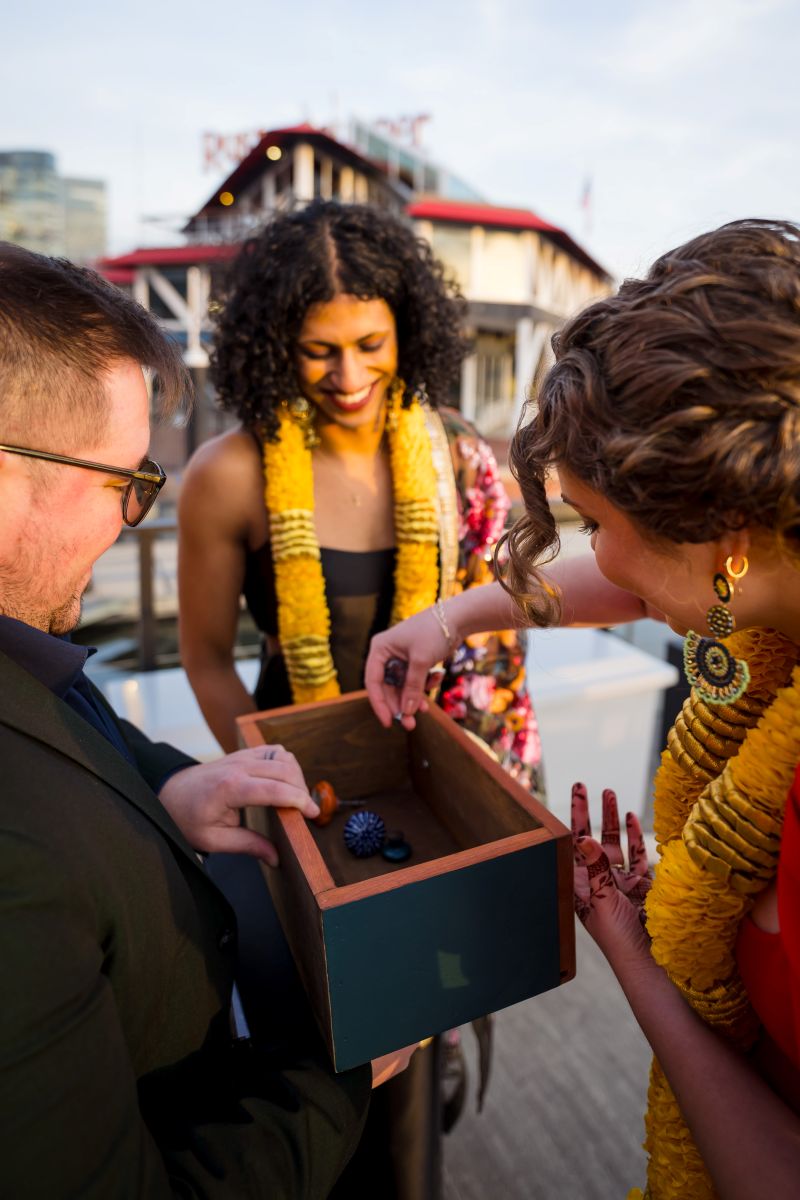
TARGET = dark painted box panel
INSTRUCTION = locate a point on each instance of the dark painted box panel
(437, 953)
(480, 917)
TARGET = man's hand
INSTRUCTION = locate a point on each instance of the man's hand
(389, 1065)
(205, 801)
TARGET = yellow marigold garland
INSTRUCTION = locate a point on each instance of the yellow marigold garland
(415, 521)
(304, 624)
(719, 798)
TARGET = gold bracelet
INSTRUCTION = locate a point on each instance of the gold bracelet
(438, 611)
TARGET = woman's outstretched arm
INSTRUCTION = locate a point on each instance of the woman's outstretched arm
(215, 516)
(587, 598)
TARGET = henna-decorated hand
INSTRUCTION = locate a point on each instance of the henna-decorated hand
(608, 895)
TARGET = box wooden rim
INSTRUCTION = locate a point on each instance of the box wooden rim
(328, 895)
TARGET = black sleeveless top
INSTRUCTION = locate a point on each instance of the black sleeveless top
(359, 587)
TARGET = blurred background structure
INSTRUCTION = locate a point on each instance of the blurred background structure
(521, 275)
(48, 212)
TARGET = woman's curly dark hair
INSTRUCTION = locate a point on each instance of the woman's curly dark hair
(308, 257)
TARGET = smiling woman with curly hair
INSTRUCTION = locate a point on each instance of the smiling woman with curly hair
(307, 258)
(348, 499)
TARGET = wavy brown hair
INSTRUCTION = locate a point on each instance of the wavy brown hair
(308, 257)
(678, 399)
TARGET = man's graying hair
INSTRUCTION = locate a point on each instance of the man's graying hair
(62, 328)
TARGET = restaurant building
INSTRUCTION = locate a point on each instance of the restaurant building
(521, 275)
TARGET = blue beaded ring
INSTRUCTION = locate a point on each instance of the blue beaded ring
(364, 833)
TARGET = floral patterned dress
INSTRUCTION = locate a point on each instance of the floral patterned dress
(484, 685)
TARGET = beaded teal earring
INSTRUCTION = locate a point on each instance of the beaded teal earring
(716, 676)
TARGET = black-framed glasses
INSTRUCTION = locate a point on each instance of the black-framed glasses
(138, 497)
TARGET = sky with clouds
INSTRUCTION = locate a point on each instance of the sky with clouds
(683, 114)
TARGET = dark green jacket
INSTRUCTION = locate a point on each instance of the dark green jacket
(118, 1075)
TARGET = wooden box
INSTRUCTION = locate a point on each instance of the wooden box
(478, 918)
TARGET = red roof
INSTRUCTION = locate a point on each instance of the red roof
(430, 209)
(169, 256)
(469, 213)
(439, 209)
(122, 276)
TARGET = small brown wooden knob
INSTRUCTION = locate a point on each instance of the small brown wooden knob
(327, 800)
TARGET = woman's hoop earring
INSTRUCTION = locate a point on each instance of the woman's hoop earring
(716, 676)
(740, 574)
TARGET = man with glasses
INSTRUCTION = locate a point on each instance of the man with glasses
(120, 1071)
(138, 497)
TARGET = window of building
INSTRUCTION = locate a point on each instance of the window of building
(503, 262)
(283, 178)
(451, 244)
(494, 382)
(430, 180)
(177, 277)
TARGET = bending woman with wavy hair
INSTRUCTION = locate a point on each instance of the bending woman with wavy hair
(672, 416)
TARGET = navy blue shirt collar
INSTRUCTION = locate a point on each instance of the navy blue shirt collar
(54, 661)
